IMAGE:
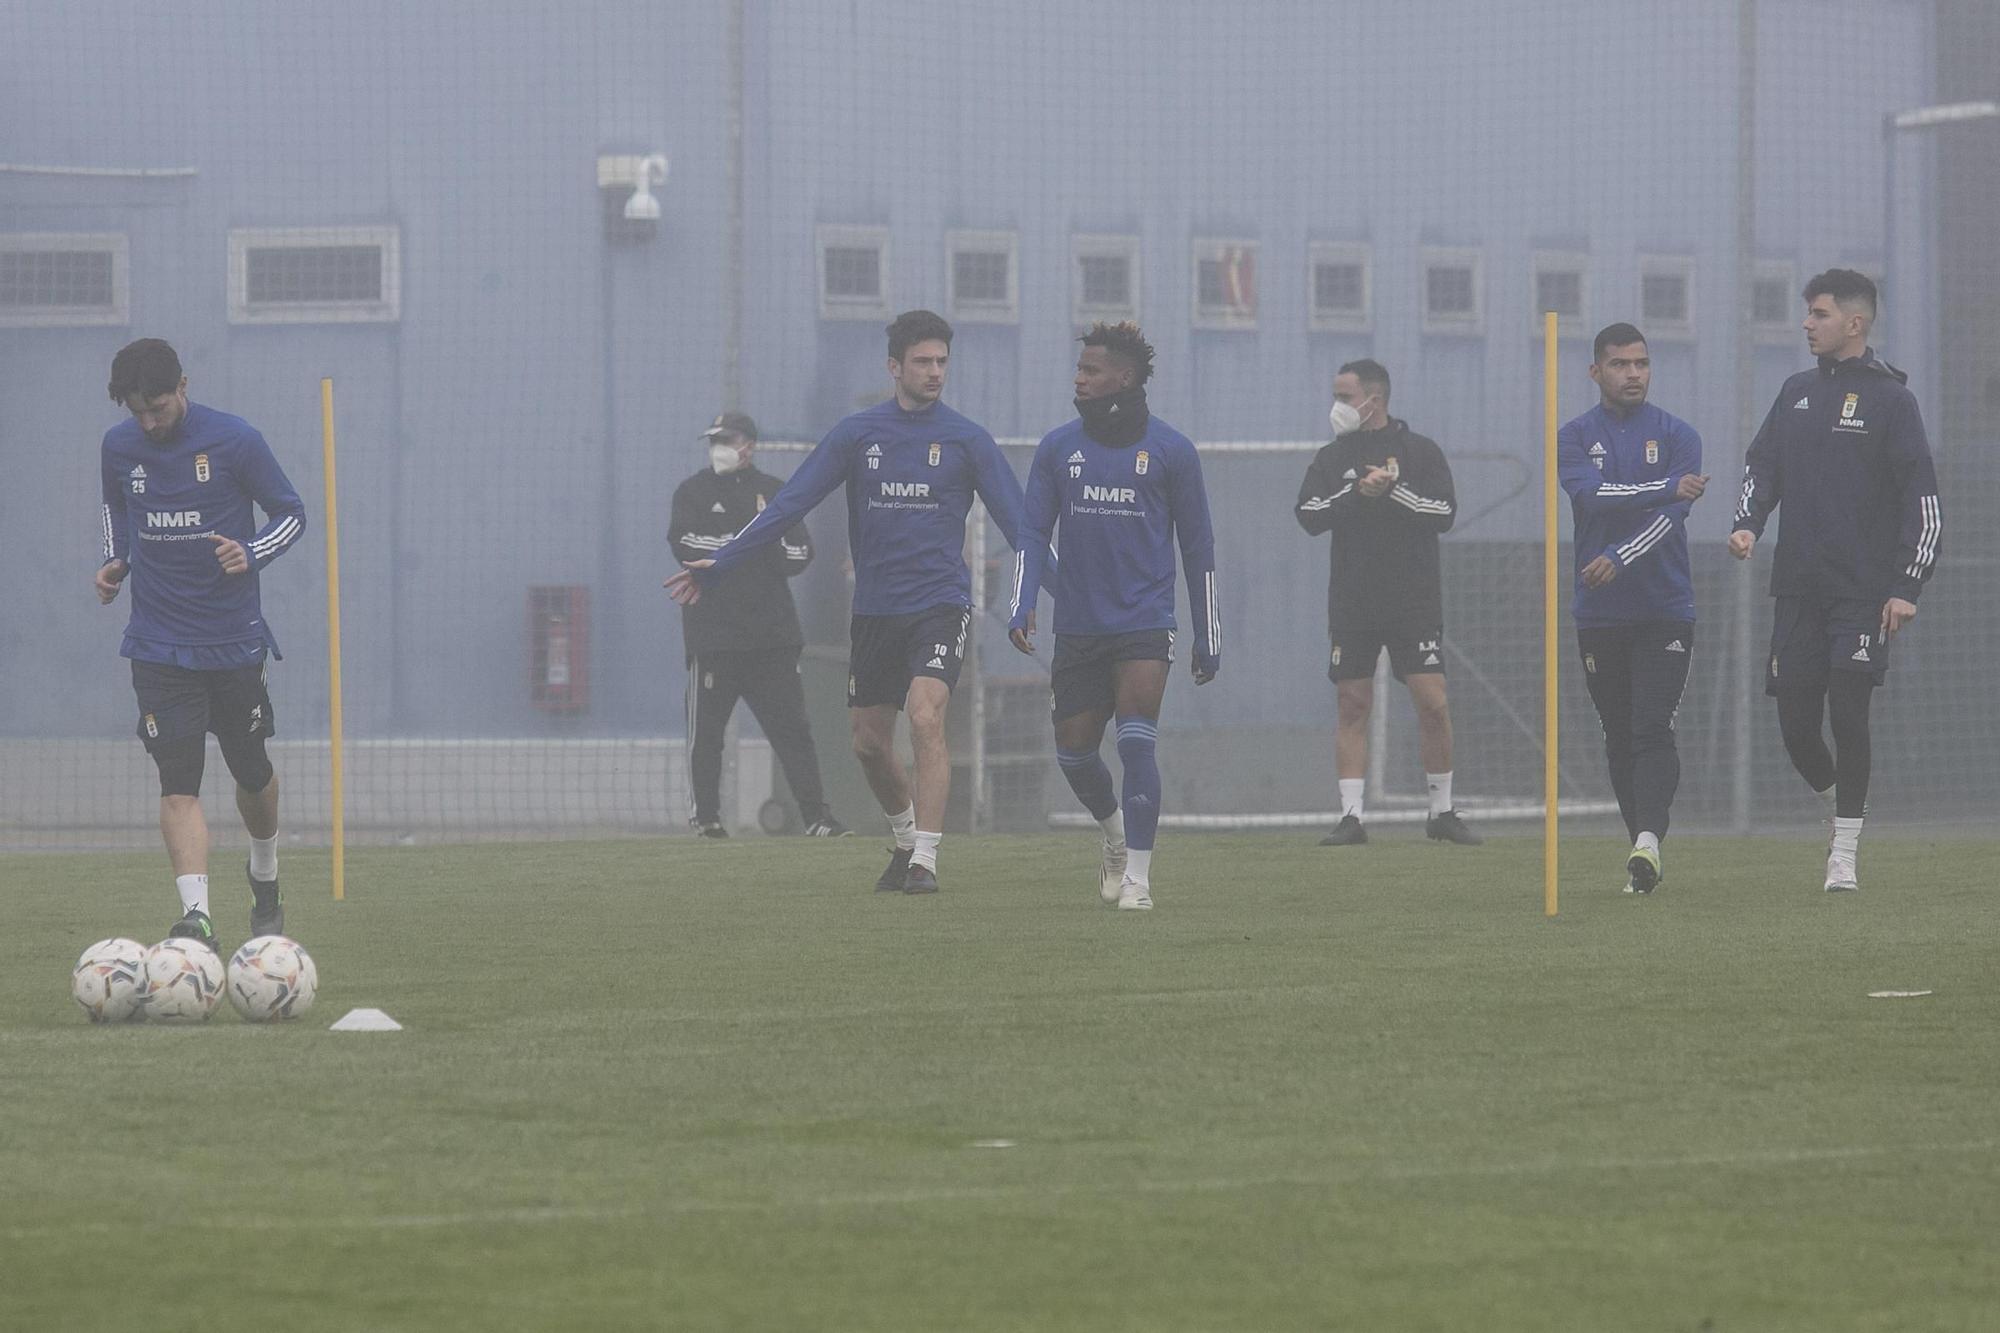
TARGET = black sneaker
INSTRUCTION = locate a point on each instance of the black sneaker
(1642, 871)
(712, 829)
(267, 909)
(195, 926)
(921, 879)
(1347, 833)
(1448, 827)
(899, 867)
(828, 827)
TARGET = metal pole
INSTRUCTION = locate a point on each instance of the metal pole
(732, 283)
(1744, 610)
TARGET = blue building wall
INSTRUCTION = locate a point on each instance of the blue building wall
(527, 417)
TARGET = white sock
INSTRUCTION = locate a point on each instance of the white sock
(194, 892)
(1113, 825)
(1350, 796)
(1440, 785)
(926, 845)
(904, 826)
(1138, 866)
(264, 858)
(1650, 841)
(1846, 837)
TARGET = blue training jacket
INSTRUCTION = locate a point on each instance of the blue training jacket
(910, 481)
(1620, 471)
(162, 503)
(1119, 509)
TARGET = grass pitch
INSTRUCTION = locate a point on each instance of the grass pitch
(684, 1085)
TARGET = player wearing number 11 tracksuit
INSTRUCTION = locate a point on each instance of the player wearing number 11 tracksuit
(1117, 487)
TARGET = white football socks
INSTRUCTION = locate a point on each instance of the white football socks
(925, 849)
(1846, 837)
(264, 858)
(1113, 825)
(1650, 841)
(904, 826)
(1138, 867)
(1351, 790)
(1440, 786)
(194, 892)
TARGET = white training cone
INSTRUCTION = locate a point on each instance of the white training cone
(366, 1020)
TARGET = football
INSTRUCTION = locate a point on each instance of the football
(272, 978)
(110, 979)
(183, 981)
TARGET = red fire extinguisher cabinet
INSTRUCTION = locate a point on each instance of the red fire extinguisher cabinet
(559, 648)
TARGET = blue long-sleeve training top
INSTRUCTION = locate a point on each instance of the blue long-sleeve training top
(910, 481)
(1621, 471)
(162, 504)
(1117, 511)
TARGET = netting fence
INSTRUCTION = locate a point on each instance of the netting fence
(443, 207)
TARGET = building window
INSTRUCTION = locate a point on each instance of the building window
(853, 272)
(1106, 280)
(1562, 285)
(1453, 302)
(314, 275)
(1775, 309)
(1225, 284)
(63, 279)
(1340, 298)
(984, 285)
(1666, 297)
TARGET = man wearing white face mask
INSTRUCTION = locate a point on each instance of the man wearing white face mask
(743, 639)
(1385, 493)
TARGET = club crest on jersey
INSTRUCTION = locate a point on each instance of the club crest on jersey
(937, 452)
(1848, 406)
(1139, 462)
(1590, 663)
(1652, 451)
(761, 502)
(201, 467)
(152, 727)
(1334, 658)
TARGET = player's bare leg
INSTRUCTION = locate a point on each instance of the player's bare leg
(873, 732)
(927, 703)
(1427, 692)
(1356, 703)
(185, 830)
(1138, 688)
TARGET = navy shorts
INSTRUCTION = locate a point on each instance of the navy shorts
(885, 653)
(1813, 637)
(1083, 678)
(176, 703)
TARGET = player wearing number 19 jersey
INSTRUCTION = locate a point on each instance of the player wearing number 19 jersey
(1117, 488)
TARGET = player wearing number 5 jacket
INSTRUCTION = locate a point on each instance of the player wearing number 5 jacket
(1843, 453)
(1632, 472)
(1118, 488)
(911, 466)
(1385, 493)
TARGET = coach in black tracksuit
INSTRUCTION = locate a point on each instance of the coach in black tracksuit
(1844, 455)
(743, 638)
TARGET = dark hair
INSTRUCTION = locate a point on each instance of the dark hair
(1125, 341)
(1613, 335)
(1369, 371)
(1845, 286)
(916, 326)
(147, 368)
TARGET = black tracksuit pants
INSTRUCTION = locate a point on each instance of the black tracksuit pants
(768, 680)
(1636, 674)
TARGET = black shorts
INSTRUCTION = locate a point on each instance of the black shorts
(1415, 649)
(176, 703)
(885, 653)
(1083, 678)
(1813, 637)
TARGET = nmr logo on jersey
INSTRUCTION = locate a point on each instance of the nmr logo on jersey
(1848, 420)
(914, 488)
(1111, 494)
(184, 518)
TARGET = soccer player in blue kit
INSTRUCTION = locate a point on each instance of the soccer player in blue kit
(911, 466)
(180, 483)
(1632, 473)
(1122, 486)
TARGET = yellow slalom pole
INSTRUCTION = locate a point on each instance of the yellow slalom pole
(1550, 584)
(333, 644)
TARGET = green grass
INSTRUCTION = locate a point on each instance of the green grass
(682, 1085)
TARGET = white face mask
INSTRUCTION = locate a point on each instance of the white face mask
(725, 458)
(1346, 418)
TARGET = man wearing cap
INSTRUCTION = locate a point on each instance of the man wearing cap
(743, 639)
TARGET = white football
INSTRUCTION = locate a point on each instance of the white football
(271, 978)
(109, 980)
(183, 981)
